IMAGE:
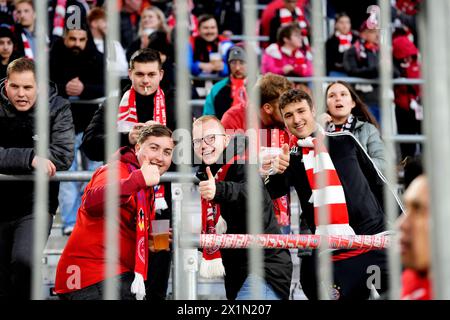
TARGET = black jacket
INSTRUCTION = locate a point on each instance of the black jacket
(334, 58)
(17, 139)
(363, 188)
(88, 66)
(231, 195)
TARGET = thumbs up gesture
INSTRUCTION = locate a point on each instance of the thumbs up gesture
(150, 173)
(281, 162)
(207, 188)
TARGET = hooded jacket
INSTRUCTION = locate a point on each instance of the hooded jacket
(86, 248)
(232, 195)
(17, 143)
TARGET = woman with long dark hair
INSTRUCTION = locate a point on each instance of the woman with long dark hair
(347, 112)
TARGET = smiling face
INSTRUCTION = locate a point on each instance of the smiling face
(299, 118)
(339, 103)
(150, 20)
(414, 226)
(21, 90)
(208, 30)
(157, 151)
(209, 140)
(145, 75)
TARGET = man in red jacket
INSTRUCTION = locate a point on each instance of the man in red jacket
(81, 270)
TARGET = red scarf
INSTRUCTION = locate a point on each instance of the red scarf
(345, 41)
(58, 19)
(238, 92)
(127, 116)
(286, 18)
(278, 138)
(362, 46)
(145, 213)
(26, 47)
(211, 265)
(317, 162)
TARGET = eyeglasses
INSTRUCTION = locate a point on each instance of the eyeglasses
(209, 140)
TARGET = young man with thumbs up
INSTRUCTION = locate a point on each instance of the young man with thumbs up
(80, 272)
(224, 194)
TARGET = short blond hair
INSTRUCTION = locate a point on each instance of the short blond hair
(208, 117)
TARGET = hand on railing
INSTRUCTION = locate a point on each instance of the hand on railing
(50, 168)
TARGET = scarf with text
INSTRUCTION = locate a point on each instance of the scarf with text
(345, 41)
(127, 116)
(349, 125)
(331, 197)
(238, 92)
(145, 213)
(212, 222)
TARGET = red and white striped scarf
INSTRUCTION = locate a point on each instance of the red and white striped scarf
(345, 41)
(331, 197)
(287, 18)
(27, 47)
(58, 19)
(238, 92)
(127, 115)
(145, 213)
(212, 222)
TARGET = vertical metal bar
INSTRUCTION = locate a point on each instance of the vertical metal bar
(41, 182)
(318, 40)
(387, 131)
(112, 144)
(181, 276)
(254, 203)
(437, 152)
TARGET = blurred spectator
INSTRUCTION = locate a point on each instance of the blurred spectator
(7, 53)
(208, 54)
(60, 10)
(208, 51)
(269, 14)
(346, 112)
(230, 17)
(193, 22)
(24, 28)
(78, 71)
(230, 91)
(290, 13)
(130, 11)
(356, 10)
(415, 241)
(408, 108)
(159, 41)
(362, 60)
(289, 56)
(6, 13)
(152, 20)
(18, 95)
(341, 40)
(116, 60)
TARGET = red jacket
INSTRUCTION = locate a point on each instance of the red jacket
(84, 254)
(415, 286)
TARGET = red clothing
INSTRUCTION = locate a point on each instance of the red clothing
(85, 249)
(234, 118)
(415, 286)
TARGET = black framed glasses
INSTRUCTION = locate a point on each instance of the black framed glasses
(209, 140)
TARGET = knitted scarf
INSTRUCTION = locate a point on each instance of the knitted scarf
(276, 52)
(286, 17)
(212, 222)
(58, 19)
(331, 197)
(238, 92)
(345, 41)
(145, 213)
(127, 116)
(349, 125)
(362, 46)
(26, 47)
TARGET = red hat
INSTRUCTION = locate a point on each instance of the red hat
(402, 47)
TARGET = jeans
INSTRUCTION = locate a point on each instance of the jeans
(95, 291)
(70, 192)
(16, 256)
(267, 292)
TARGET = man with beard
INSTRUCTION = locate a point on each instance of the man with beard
(230, 91)
(77, 69)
